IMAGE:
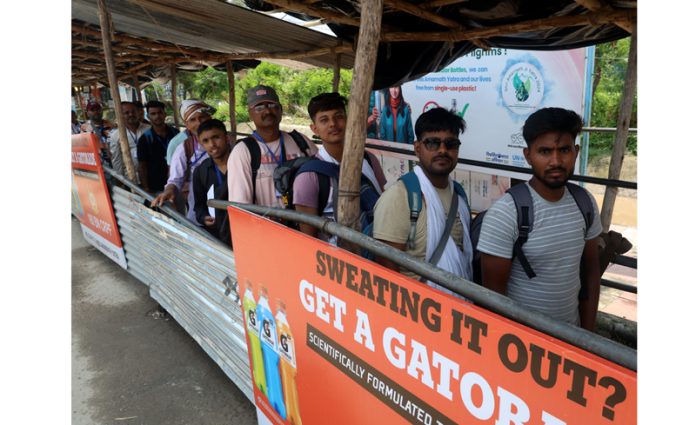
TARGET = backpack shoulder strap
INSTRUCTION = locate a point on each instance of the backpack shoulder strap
(460, 191)
(300, 141)
(255, 154)
(582, 198)
(415, 204)
(525, 223)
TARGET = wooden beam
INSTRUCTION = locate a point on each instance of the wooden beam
(314, 11)
(172, 75)
(232, 100)
(297, 54)
(516, 28)
(437, 3)
(600, 6)
(105, 23)
(363, 76)
(423, 13)
(617, 155)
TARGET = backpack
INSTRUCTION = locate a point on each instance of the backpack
(525, 223)
(255, 153)
(415, 204)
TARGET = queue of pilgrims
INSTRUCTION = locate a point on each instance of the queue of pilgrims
(554, 268)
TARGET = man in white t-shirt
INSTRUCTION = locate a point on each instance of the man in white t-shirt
(274, 147)
(559, 246)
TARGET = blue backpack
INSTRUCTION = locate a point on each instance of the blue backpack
(415, 204)
(328, 174)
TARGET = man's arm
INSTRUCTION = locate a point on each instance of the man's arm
(495, 272)
(387, 262)
(177, 169)
(306, 228)
(589, 280)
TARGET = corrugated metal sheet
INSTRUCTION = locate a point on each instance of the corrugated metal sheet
(192, 277)
(212, 25)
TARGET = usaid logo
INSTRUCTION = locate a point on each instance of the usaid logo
(518, 160)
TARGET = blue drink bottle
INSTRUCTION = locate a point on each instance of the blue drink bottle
(271, 358)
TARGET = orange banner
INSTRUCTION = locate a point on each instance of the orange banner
(91, 202)
(334, 338)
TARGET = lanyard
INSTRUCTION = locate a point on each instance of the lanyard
(195, 148)
(278, 160)
(130, 133)
(218, 174)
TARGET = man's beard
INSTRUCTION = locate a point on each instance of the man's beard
(553, 183)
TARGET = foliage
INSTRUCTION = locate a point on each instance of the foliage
(611, 60)
(295, 88)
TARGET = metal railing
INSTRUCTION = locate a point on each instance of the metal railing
(490, 300)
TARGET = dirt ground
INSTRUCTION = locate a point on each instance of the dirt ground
(129, 368)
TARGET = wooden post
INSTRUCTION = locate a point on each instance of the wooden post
(337, 73)
(105, 24)
(175, 107)
(363, 77)
(136, 86)
(621, 138)
(78, 101)
(233, 101)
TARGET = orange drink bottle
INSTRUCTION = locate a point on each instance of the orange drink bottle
(288, 366)
(252, 325)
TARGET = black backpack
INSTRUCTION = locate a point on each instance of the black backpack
(295, 163)
(525, 223)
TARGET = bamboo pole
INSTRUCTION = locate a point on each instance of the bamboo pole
(105, 24)
(232, 101)
(337, 73)
(172, 75)
(363, 77)
(617, 155)
(136, 86)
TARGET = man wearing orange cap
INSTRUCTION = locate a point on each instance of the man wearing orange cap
(187, 155)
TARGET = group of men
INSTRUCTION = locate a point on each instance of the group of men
(202, 162)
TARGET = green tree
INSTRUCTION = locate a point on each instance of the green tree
(611, 60)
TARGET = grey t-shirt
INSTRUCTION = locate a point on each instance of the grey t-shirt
(554, 250)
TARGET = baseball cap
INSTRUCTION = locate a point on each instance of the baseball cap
(189, 107)
(261, 93)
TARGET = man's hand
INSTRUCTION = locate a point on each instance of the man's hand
(167, 195)
(208, 221)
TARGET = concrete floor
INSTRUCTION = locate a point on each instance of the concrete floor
(129, 368)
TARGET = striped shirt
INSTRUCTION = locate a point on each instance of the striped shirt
(554, 250)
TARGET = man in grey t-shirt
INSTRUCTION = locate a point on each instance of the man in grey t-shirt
(559, 245)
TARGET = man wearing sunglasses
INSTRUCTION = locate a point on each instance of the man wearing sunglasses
(437, 149)
(252, 161)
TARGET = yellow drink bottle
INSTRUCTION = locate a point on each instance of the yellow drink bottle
(288, 366)
(252, 324)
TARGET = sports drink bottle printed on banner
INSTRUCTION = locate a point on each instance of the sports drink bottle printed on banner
(252, 328)
(346, 341)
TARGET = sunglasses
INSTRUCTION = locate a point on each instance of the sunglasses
(433, 143)
(263, 106)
